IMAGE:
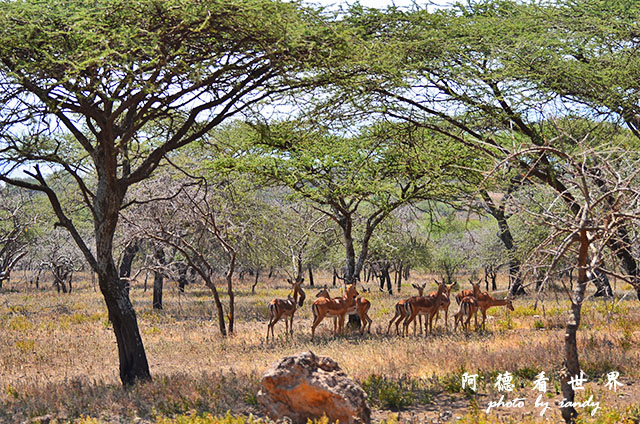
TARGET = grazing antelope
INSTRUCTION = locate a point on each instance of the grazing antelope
(425, 305)
(286, 307)
(360, 308)
(445, 301)
(468, 307)
(400, 314)
(337, 307)
(485, 301)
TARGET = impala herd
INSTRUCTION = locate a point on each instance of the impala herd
(406, 310)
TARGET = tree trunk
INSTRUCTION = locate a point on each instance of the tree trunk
(335, 277)
(158, 278)
(388, 278)
(601, 281)
(229, 276)
(255, 281)
(216, 300)
(504, 234)
(182, 276)
(311, 283)
(571, 366)
(127, 260)
(399, 277)
(133, 359)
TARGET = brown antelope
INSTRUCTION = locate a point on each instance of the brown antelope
(286, 307)
(473, 292)
(337, 307)
(468, 307)
(445, 301)
(425, 305)
(400, 313)
(485, 301)
(360, 308)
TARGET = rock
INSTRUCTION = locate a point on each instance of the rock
(308, 386)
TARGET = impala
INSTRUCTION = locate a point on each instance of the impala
(422, 305)
(468, 307)
(473, 292)
(445, 301)
(360, 308)
(286, 308)
(485, 301)
(337, 307)
(400, 314)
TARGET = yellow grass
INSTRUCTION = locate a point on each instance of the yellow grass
(58, 355)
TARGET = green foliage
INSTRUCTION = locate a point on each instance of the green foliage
(387, 393)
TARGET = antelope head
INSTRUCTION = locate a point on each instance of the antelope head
(420, 288)
(324, 293)
(352, 292)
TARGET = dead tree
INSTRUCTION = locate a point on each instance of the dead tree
(585, 236)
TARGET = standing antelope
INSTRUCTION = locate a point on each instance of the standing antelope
(485, 301)
(473, 292)
(360, 308)
(286, 307)
(468, 307)
(400, 313)
(337, 307)
(445, 301)
(425, 305)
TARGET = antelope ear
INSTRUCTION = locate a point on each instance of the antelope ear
(424, 285)
(415, 286)
(289, 281)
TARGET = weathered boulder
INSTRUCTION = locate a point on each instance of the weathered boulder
(309, 386)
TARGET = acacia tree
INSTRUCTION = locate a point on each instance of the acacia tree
(358, 181)
(489, 74)
(583, 238)
(104, 90)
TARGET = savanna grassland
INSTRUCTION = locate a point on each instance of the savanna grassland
(59, 361)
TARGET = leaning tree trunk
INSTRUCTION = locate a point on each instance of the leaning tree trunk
(208, 281)
(133, 359)
(504, 233)
(571, 366)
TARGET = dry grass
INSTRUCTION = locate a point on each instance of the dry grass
(58, 354)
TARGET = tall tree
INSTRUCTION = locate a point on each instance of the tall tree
(358, 181)
(104, 90)
(483, 74)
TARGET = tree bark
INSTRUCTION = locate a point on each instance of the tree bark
(158, 278)
(311, 283)
(255, 281)
(571, 366)
(504, 233)
(133, 359)
(127, 261)
(182, 276)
